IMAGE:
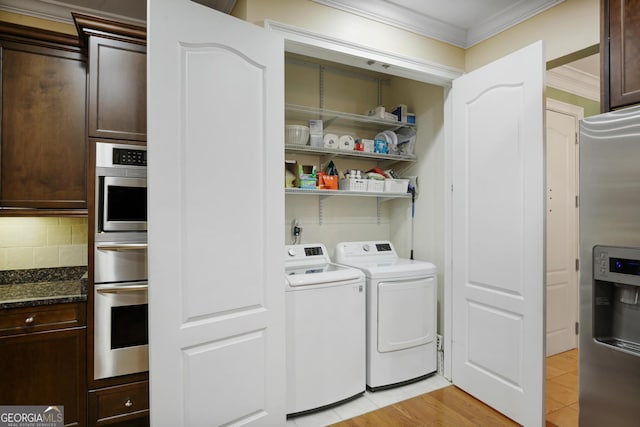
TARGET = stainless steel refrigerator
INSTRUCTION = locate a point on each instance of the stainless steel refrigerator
(609, 350)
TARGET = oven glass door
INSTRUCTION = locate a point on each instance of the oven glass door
(121, 335)
(123, 204)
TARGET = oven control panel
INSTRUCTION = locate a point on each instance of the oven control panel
(121, 156)
(129, 157)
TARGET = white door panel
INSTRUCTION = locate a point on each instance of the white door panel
(498, 235)
(405, 313)
(326, 338)
(562, 244)
(216, 297)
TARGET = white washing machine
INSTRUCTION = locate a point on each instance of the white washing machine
(401, 313)
(325, 319)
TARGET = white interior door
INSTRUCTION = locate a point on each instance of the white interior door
(216, 284)
(498, 234)
(562, 226)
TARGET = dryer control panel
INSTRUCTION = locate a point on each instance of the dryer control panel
(371, 250)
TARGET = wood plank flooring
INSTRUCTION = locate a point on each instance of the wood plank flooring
(447, 406)
(450, 406)
(562, 389)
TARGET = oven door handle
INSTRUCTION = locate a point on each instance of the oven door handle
(123, 247)
(121, 289)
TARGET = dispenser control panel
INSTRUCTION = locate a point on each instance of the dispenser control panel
(617, 264)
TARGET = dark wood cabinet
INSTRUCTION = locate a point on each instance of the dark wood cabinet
(620, 51)
(116, 112)
(117, 107)
(117, 89)
(122, 405)
(42, 355)
(43, 141)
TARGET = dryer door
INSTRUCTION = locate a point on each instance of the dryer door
(406, 313)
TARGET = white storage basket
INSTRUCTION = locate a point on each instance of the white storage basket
(375, 185)
(396, 185)
(353, 184)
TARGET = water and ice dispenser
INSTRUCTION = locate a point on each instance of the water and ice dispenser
(616, 297)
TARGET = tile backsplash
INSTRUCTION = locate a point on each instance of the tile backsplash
(36, 242)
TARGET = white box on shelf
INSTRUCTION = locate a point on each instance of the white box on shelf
(375, 186)
(353, 184)
(316, 133)
(396, 185)
(400, 111)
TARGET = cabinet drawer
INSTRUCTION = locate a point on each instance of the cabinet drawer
(33, 319)
(123, 401)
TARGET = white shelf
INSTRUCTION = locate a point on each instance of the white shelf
(324, 194)
(302, 113)
(328, 193)
(330, 117)
(330, 153)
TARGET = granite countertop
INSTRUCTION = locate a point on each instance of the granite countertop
(41, 286)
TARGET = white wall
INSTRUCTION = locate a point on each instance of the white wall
(569, 27)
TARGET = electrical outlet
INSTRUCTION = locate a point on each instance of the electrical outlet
(296, 231)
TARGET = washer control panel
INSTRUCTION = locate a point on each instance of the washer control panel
(307, 252)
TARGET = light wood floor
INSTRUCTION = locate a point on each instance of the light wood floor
(562, 389)
(451, 406)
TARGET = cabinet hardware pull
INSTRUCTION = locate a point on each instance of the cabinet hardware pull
(123, 247)
(29, 320)
(120, 289)
(128, 403)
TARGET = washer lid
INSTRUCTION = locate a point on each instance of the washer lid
(394, 268)
(326, 274)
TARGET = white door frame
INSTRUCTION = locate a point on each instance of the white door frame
(304, 42)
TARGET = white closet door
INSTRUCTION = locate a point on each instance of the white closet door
(498, 234)
(216, 293)
(562, 226)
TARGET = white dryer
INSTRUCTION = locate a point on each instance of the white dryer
(401, 312)
(325, 318)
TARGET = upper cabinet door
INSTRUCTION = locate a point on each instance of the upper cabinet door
(43, 143)
(498, 234)
(620, 48)
(216, 209)
(117, 89)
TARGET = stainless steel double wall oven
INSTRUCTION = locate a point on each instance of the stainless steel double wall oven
(120, 261)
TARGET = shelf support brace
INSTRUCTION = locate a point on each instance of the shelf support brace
(321, 87)
(321, 200)
(378, 209)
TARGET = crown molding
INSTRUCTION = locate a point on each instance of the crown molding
(507, 18)
(400, 17)
(574, 81)
(397, 16)
(58, 12)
